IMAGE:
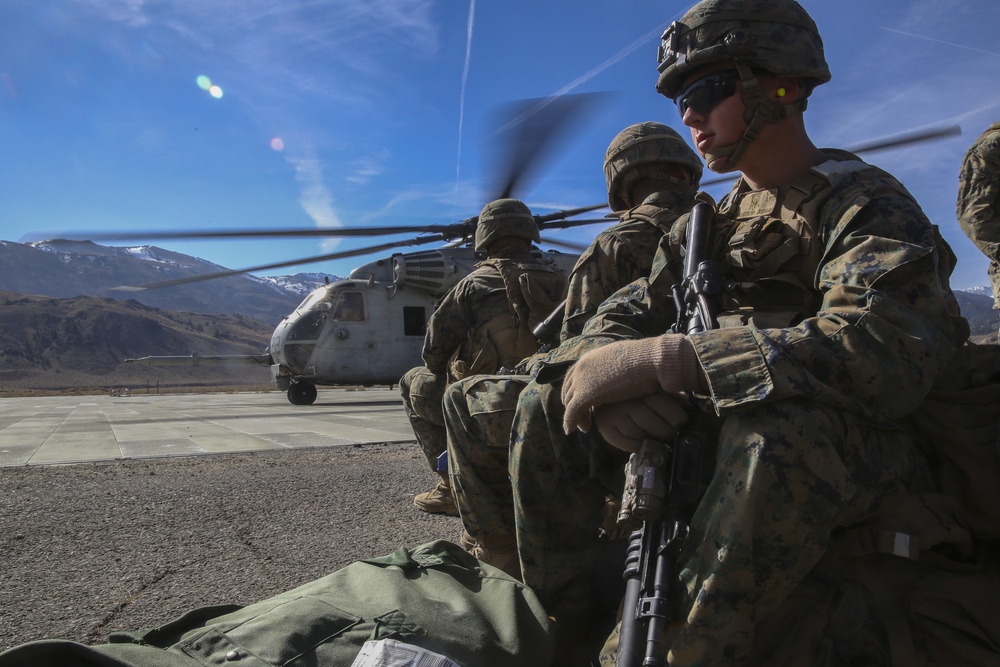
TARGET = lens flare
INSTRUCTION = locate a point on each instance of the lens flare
(205, 83)
(277, 144)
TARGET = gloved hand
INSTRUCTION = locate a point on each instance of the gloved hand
(626, 424)
(628, 369)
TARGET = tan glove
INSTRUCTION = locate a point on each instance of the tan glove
(626, 424)
(628, 369)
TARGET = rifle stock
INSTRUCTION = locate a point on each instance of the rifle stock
(663, 480)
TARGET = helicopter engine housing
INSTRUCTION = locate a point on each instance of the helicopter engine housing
(431, 271)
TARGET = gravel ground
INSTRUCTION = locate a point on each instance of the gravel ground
(89, 549)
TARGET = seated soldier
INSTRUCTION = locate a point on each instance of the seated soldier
(483, 323)
(835, 323)
(652, 175)
(978, 204)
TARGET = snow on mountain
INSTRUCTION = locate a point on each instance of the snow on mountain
(298, 283)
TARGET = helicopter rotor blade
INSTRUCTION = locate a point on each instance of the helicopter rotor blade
(578, 247)
(567, 224)
(559, 215)
(457, 229)
(276, 265)
(875, 145)
(529, 129)
(907, 139)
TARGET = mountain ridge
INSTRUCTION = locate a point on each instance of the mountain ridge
(61, 268)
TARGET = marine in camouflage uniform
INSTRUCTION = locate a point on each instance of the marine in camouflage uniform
(835, 322)
(978, 205)
(483, 323)
(479, 410)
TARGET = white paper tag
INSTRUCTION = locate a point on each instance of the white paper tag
(392, 653)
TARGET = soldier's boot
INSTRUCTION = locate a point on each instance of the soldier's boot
(468, 542)
(438, 500)
(500, 552)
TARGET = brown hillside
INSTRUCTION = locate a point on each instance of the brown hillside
(81, 343)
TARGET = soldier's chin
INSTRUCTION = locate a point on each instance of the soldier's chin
(720, 164)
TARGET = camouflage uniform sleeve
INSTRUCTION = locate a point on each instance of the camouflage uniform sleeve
(616, 257)
(448, 325)
(640, 309)
(978, 203)
(882, 334)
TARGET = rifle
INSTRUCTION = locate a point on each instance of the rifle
(547, 331)
(663, 480)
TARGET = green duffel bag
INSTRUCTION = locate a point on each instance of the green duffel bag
(436, 597)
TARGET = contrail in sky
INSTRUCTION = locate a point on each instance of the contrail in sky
(461, 102)
(940, 41)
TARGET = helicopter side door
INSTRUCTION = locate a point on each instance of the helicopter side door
(407, 318)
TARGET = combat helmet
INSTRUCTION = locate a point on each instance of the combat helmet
(774, 36)
(636, 152)
(505, 217)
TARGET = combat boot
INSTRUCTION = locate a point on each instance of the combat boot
(438, 500)
(467, 542)
(501, 553)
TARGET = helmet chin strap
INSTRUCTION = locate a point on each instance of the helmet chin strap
(761, 110)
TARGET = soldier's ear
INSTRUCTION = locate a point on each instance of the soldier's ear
(786, 90)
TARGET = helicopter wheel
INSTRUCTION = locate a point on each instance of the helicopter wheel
(302, 393)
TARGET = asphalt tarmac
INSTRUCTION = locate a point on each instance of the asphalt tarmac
(122, 513)
(76, 429)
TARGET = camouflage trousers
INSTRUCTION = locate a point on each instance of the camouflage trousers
(423, 391)
(560, 483)
(478, 412)
(787, 475)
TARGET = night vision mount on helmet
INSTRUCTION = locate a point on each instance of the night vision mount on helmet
(755, 36)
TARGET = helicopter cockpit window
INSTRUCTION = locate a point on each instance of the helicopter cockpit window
(309, 326)
(349, 307)
(313, 297)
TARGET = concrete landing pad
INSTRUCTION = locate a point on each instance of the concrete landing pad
(75, 429)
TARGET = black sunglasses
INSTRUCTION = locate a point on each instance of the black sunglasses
(704, 94)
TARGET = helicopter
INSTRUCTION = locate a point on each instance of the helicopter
(368, 328)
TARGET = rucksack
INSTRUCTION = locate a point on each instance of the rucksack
(917, 583)
(958, 428)
(883, 610)
(436, 597)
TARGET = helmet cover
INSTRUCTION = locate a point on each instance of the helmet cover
(505, 217)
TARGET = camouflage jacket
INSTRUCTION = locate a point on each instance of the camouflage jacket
(978, 205)
(485, 296)
(619, 255)
(837, 292)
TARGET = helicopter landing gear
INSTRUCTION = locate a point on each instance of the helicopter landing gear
(302, 393)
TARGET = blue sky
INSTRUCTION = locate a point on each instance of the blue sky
(377, 112)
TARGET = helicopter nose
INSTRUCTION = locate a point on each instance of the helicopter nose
(277, 346)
